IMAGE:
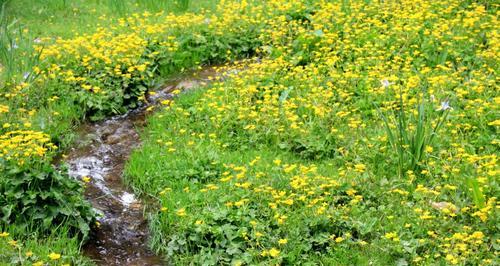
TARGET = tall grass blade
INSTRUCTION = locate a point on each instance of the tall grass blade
(477, 194)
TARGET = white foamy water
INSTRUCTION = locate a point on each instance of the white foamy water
(127, 199)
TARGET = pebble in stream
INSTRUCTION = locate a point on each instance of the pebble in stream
(104, 148)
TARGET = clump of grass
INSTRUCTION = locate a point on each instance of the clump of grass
(20, 246)
(7, 45)
(164, 5)
(475, 192)
(17, 57)
(410, 135)
(118, 6)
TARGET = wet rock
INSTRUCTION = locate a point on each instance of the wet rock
(168, 89)
(115, 138)
(135, 206)
(188, 85)
(105, 132)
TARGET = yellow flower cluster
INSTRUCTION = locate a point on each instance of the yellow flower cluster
(21, 146)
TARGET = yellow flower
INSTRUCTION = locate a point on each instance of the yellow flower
(351, 192)
(4, 234)
(181, 212)
(360, 168)
(283, 241)
(274, 252)
(494, 123)
(451, 259)
(392, 235)
(54, 256)
(428, 149)
(29, 254)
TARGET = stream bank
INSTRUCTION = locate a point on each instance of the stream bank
(98, 159)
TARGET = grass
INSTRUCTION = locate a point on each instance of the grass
(23, 247)
(61, 18)
(289, 161)
(184, 180)
(336, 146)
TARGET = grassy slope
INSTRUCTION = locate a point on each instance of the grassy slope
(29, 21)
(290, 163)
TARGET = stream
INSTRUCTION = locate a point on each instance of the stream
(99, 156)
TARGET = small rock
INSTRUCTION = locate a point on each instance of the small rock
(113, 139)
(187, 84)
(443, 205)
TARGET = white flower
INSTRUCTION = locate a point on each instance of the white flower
(12, 46)
(385, 83)
(444, 106)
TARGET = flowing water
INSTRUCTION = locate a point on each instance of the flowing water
(100, 154)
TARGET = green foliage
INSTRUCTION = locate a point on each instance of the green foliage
(43, 196)
(213, 232)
